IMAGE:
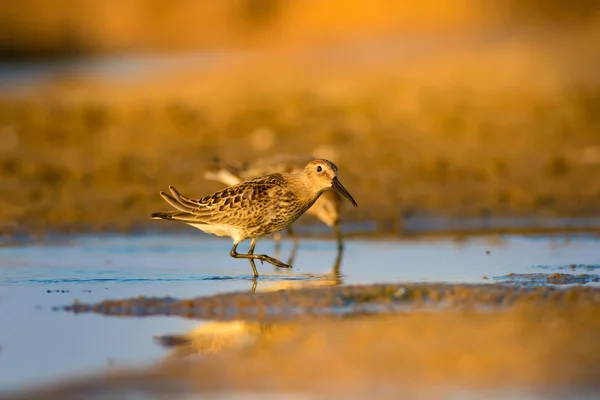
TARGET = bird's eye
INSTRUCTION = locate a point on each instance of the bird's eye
(319, 168)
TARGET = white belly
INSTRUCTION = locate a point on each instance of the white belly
(219, 230)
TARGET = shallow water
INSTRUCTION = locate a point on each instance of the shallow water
(38, 345)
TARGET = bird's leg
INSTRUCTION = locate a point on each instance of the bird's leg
(251, 256)
(252, 246)
(277, 240)
(336, 270)
(264, 257)
(271, 260)
(250, 252)
(339, 237)
(294, 238)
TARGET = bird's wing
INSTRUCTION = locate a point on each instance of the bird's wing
(246, 204)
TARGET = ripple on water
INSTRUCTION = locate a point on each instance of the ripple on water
(572, 267)
(265, 277)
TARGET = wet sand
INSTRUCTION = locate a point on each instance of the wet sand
(445, 339)
(338, 301)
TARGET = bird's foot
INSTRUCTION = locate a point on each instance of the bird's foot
(274, 261)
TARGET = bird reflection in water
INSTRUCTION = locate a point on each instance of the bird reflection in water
(215, 336)
(332, 278)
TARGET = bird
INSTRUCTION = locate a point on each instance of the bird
(257, 207)
(326, 208)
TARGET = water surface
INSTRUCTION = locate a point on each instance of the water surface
(39, 345)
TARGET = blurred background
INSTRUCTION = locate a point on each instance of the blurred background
(459, 108)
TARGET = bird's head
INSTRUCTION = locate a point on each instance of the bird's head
(323, 174)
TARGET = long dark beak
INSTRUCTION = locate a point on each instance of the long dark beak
(338, 187)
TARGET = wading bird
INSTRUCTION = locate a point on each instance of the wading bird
(326, 208)
(257, 207)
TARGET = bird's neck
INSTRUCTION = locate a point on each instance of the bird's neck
(303, 190)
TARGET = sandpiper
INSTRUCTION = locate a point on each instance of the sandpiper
(257, 207)
(326, 208)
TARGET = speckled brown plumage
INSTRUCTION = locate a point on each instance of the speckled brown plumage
(257, 207)
(326, 208)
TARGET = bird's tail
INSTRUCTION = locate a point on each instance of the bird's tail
(184, 206)
(162, 215)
